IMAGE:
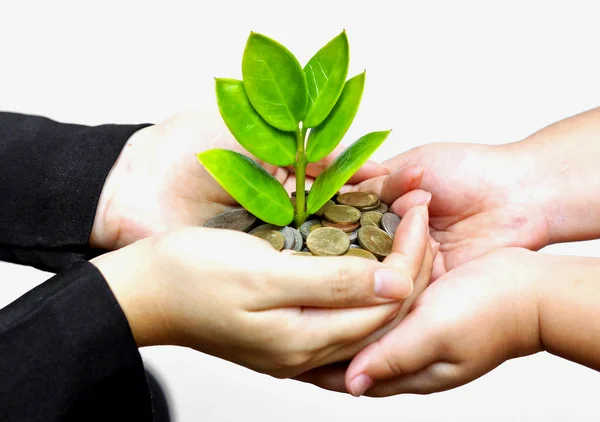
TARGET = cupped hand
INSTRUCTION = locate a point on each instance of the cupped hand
(465, 324)
(232, 295)
(482, 198)
(158, 184)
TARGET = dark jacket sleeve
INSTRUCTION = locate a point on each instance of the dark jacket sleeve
(51, 177)
(67, 354)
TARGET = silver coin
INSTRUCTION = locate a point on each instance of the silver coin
(305, 228)
(298, 241)
(353, 236)
(236, 219)
(389, 223)
(305, 249)
(353, 246)
(289, 237)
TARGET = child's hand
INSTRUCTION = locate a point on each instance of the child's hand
(465, 324)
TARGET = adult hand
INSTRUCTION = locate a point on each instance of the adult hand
(482, 197)
(157, 182)
(231, 295)
(465, 324)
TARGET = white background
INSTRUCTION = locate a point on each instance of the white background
(436, 71)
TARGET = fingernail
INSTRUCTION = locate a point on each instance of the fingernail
(424, 198)
(428, 200)
(360, 384)
(392, 284)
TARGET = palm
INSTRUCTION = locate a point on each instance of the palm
(158, 183)
(478, 203)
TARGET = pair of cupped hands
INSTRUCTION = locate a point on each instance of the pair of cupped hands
(442, 309)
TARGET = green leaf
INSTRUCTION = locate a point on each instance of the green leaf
(324, 138)
(325, 76)
(249, 184)
(342, 168)
(275, 82)
(258, 137)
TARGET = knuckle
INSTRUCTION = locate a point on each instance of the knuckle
(345, 286)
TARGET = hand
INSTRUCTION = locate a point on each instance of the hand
(231, 295)
(465, 324)
(483, 198)
(158, 184)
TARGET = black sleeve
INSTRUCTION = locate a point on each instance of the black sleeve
(51, 177)
(67, 354)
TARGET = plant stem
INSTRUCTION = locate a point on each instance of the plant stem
(300, 167)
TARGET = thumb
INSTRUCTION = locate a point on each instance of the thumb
(408, 348)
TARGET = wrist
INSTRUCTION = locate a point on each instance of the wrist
(132, 278)
(106, 227)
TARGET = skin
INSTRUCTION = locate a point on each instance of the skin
(477, 316)
(157, 183)
(490, 303)
(274, 313)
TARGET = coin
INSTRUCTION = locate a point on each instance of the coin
(328, 241)
(371, 218)
(342, 214)
(264, 227)
(324, 207)
(236, 219)
(275, 238)
(353, 236)
(288, 234)
(361, 253)
(383, 208)
(298, 240)
(376, 241)
(370, 208)
(315, 227)
(306, 226)
(389, 223)
(305, 249)
(353, 246)
(302, 253)
(346, 228)
(358, 199)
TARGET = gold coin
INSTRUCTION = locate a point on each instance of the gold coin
(376, 241)
(314, 227)
(358, 199)
(371, 218)
(346, 228)
(275, 238)
(324, 207)
(342, 214)
(361, 253)
(370, 208)
(327, 241)
(382, 208)
(302, 253)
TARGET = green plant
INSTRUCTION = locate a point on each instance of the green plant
(286, 115)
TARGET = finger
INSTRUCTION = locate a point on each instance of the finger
(369, 170)
(439, 376)
(389, 188)
(410, 200)
(332, 282)
(328, 377)
(408, 348)
(410, 242)
(336, 331)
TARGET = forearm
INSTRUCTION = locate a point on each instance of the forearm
(569, 315)
(562, 175)
(51, 176)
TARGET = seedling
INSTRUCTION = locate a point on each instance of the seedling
(289, 116)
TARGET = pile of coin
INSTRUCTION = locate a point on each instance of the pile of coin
(353, 223)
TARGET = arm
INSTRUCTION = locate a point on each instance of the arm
(563, 177)
(67, 354)
(51, 178)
